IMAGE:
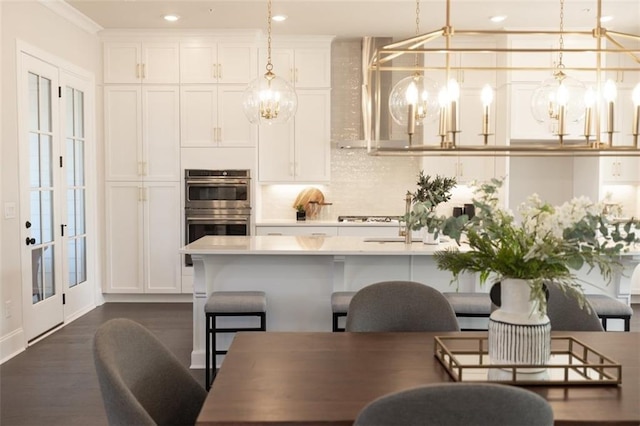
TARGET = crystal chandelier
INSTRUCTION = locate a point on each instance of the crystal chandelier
(559, 99)
(269, 98)
(414, 99)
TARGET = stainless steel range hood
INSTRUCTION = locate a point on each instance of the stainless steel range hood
(351, 123)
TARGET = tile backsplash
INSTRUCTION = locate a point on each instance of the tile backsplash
(360, 185)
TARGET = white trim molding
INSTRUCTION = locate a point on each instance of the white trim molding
(63, 9)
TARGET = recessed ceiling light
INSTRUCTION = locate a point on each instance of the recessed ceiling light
(606, 18)
(498, 18)
(171, 18)
(279, 18)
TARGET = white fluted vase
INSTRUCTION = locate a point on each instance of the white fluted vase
(518, 333)
(430, 237)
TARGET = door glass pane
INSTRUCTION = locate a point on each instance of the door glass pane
(46, 161)
(49, 277)
(71, 215)
(33, 102)
(75, 178)
(73, 279)
(46, 204)
(79, 114)
(34, 160)
(36, 227)
(36, 275)
(45, 105)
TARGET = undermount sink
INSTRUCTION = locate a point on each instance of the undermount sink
(390, 240)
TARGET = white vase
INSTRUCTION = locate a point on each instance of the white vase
(518, 333)
(430, 238)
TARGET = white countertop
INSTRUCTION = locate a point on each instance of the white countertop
(320, 245)
(313, 222)
(309, 245)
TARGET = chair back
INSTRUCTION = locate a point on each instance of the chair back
(458, 404)
(141, 381)
(400, 306)
(565, 313)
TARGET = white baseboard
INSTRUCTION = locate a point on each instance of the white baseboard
(197, 360)
(12, 344)
(148, 298)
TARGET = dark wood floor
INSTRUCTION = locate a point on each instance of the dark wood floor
(54, 382)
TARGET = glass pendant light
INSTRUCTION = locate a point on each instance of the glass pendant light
(269, 98)
(544, 100)
(414, 99)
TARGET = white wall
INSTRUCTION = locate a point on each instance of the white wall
(40, 27)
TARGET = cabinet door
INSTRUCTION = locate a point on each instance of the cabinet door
(282, 61)
(122, 62)
(198, 63)
(124, 242)
(235, 129)
(123, 133)
(162, 237)
(160, 63)
(161, 134)
(275, 152)
(237, 63)
(198, 116)
(312, 140)
(523, 125)
(620, 169)
(312, 68)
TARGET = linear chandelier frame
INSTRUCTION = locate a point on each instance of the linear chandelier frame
(382, 61)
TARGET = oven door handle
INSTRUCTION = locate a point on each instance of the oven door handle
(216, 220)
(208, 182)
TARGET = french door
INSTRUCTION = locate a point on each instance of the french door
(53, 204)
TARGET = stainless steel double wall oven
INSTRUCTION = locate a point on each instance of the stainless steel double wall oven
(218, 202)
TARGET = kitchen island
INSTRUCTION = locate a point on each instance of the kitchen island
(299, 273)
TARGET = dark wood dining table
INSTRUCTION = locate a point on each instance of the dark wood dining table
(327, 378)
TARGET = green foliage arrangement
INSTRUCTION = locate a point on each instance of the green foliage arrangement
(548, 244)
(426, 198)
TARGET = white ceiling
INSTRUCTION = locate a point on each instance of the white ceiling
(355, 18)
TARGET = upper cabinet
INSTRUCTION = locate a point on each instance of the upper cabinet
(142, 133)
(306, 65)
(132, 62)
(298, 151)
(212, 116)
(218, 62)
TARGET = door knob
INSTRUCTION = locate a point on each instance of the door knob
(30, 241)
(27, 224)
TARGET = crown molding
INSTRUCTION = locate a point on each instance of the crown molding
(63, 9)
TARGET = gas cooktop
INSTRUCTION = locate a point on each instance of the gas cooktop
(369, 219)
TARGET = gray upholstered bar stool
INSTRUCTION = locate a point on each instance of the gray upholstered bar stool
(230, 304)
(608, 307)
(339, 306)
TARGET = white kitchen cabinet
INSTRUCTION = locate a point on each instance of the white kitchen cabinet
(213, 62)
(621, 169)
(298, 151)
(148, 62)
(143, 237)
(142, 139)
(319, 230)
(212, 116)
(303, 67)
(467, 168)
(366, 231)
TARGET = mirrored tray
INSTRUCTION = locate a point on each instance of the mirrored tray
(466, 359)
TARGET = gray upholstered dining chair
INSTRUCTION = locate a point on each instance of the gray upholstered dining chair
(565, 313)
(400, 306)
(141, 381)
(458, 404)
